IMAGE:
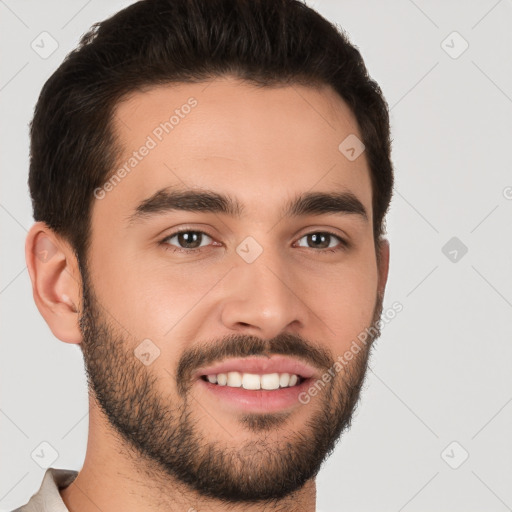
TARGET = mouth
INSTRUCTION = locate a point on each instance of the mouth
(254, 381)
(261, 385)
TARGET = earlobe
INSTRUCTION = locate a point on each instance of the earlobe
(56, 283)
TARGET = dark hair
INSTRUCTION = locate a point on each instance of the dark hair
(265, 42)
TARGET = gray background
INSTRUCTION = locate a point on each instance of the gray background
(441, 370)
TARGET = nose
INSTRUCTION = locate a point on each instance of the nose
(263, 299)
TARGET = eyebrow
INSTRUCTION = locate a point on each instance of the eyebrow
(201, 200)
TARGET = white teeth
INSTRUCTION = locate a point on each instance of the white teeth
(254, 381)
(234, 379)
(270, 381)
(251, 381)
(284, 380)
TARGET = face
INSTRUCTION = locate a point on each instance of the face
(233, 253)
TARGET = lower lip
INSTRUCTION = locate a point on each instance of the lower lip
(260, 400)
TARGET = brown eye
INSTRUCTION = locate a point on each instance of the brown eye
(187, 239)
(323, 240)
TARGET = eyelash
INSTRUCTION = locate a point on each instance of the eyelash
(343, 243)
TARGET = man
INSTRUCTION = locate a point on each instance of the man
(210, 180)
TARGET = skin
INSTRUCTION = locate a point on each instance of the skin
(262, 146)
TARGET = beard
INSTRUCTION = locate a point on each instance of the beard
(172, 443)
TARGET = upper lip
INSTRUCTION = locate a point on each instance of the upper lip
(260, 365)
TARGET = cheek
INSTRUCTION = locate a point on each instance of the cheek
(346, 302)
(149, 296)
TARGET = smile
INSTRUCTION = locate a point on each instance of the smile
(252, 381)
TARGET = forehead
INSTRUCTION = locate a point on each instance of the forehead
(256, 143)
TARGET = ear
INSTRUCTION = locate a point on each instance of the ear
(383, 264)
(56, 281)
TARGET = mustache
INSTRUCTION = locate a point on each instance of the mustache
(238, 346)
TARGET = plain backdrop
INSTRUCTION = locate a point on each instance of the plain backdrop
(432, 431)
